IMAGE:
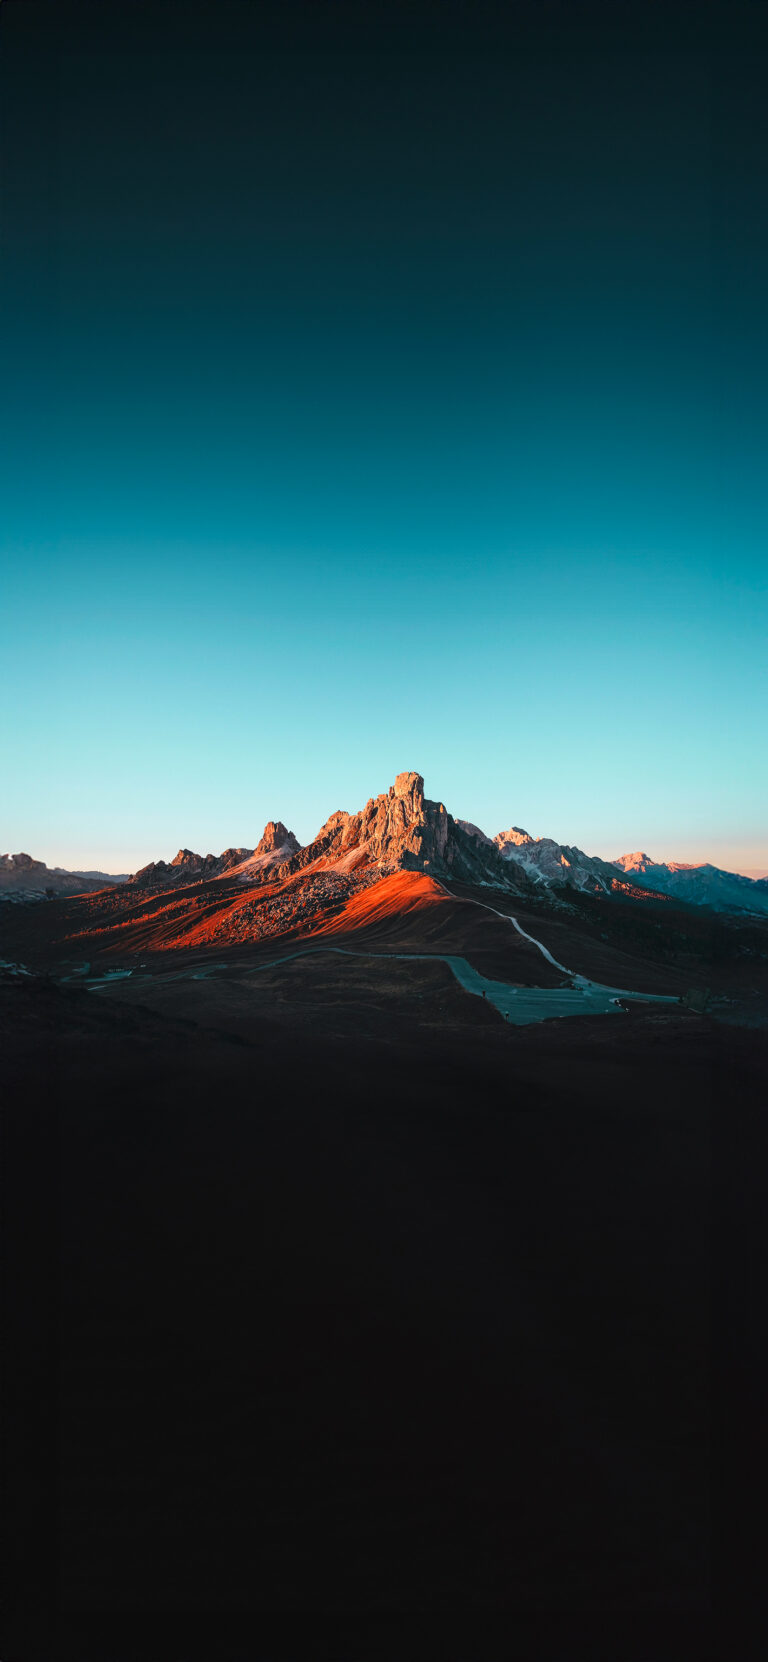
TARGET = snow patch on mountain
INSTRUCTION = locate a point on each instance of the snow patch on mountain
(548, 862)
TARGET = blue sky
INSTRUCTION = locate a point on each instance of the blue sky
(363, 417)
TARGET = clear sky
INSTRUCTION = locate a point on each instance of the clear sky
(383, 391)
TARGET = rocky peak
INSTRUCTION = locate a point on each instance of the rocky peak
(277, 835)
(188, 867)
(549, 862)
(185, 867)
(514, 837)
(634, 862)
(402, 829)
(22, 862)
(410, 786)
(334, 820)
(186, 857)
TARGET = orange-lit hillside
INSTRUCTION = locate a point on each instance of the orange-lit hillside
(403, 911)
(400, 896)
(634, 891)
(204, 915)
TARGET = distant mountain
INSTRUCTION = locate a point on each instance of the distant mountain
(99, 876)
(699, 885)
(546, 861)
(20, 874)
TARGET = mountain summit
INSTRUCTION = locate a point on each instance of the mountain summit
(277, 837)
(400, 830)
(546, 861)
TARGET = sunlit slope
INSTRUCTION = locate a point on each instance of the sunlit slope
(409, 912)
(187, 918)
(404, 900)
(404, 912)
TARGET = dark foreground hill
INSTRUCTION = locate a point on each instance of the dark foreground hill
(353, 1320)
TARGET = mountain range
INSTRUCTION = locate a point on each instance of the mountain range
(699, 885)
(21, 875)
(401, 829)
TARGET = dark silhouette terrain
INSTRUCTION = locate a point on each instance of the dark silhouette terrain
(344, 1308)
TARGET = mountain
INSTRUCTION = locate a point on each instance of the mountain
(699, 885)
(252, 864)
(402, 830)
(276, 838)
(546, 861)
(187, 867)
(99, 876)
(404, 876)
(20, 875)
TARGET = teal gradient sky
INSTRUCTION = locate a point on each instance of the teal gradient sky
(379, 401)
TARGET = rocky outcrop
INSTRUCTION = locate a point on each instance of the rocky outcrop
(185, 867)
(186, 860)
(277, 836)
